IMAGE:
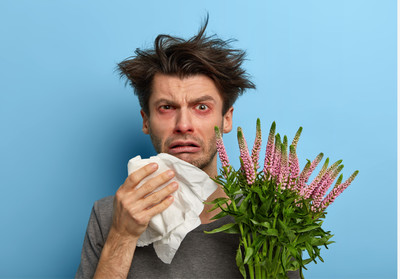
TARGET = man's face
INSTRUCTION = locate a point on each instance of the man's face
(183, 113)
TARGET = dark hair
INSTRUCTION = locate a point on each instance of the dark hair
(210, 56)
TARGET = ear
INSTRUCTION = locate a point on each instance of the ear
(145, 118)
(228, 120)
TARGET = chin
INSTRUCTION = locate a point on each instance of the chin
(187, 157)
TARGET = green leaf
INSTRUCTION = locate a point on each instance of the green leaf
(309, 228)
(239, 262)
(225, 228)
(258, 242)
(260, 194)
(238, 192)
(244, 204)
(289, 201)
(292, 251)
(262, 224)
(233, 230)
(293, 266)
(318, 241)
(218, 200)
(283, 261)
(249, 252)
(303, 238)
(310, 250)
(307, 261)
(283, 225)
(217, 203)
(272, 232)
(254, 209)
(219, 215)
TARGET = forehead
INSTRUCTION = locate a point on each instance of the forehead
(183, 89)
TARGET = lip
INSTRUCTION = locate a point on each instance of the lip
(177, 147)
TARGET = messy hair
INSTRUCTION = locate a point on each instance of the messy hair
(200, 54)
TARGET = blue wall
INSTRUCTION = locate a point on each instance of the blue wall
(69, 125)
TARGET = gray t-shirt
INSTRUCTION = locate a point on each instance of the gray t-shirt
(200, 255)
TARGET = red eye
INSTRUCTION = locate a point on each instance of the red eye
(165, 108)
(202, 107)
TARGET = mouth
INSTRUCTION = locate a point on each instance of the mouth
(177, 147)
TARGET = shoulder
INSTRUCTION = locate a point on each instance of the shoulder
(102, 214)
(104, 204)
(103, 208)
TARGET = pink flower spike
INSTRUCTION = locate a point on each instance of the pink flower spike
(294, 168)
(337, 190)
(347, 183)
(269, 153)
(297, 137)
(313, 165)
(315, 183)
(247, 163)
(255, 153)
(319, 190)
(223, 156)
(332, 194)
(284, 170)
(276, 164)
(301, 182)
(331, 175)
(305, 174)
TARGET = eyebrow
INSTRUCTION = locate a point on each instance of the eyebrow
(205, 98)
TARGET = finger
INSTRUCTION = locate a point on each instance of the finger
(134, 196)
(140, 207)
(144, 216)
(157, 197)
(160, 207)
(135, 177)
(155, 182)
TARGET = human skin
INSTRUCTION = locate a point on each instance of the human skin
(182, 115)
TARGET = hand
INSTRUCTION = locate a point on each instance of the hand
(133, 208)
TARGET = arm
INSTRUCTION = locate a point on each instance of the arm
(132, 210)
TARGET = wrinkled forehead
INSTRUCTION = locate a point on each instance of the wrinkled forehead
(184, 90)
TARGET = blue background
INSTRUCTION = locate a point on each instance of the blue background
(69, 125)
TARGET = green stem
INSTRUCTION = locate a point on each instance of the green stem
(264, 259)
(301, 273)
(277, 262)
(250, 263)
(257, 261)
(258, 269)
(244, 241)
(264, 273)
(270, 250)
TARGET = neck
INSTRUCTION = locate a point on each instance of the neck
(205, 215)
(211, 168)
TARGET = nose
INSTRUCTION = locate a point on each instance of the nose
(183, 124)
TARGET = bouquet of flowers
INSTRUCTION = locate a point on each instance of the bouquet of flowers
(277, 213)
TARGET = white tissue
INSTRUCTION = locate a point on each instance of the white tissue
(167, 229)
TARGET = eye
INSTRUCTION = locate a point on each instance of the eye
(165, 107)
(202, 107)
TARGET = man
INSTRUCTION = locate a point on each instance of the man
(185, 88)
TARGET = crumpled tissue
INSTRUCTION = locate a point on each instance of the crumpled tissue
(167, 229)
